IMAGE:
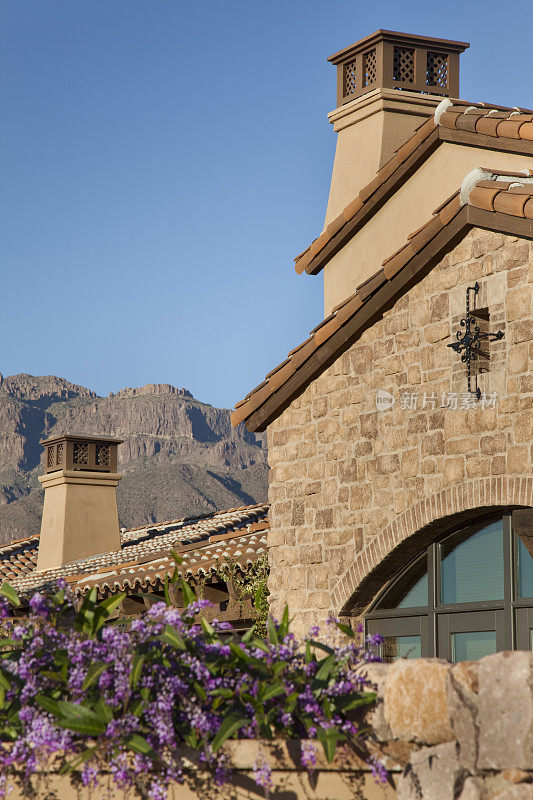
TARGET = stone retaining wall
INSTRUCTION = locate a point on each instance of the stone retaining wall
(460, 731)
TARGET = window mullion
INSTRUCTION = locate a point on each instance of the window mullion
(432, 599)
(509, 583)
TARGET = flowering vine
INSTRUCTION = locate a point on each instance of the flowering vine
(143, 699)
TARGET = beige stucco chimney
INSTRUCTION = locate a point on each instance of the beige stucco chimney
(388, 84)
(80, 517)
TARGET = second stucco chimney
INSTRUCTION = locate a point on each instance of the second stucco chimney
(80, 517)
(388, 84)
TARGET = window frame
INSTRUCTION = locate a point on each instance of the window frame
(512, 627)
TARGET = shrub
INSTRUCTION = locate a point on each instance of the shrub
(144, 697)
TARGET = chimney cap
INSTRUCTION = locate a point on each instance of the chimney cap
(80, 452)
(80, 437)
(396, 37)
(402, 61)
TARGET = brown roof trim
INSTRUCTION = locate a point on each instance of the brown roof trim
(505, 206)
(485, 126)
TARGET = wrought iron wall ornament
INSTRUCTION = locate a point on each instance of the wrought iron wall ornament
(469, 342)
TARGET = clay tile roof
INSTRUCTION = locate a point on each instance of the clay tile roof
(144, 558)
(504, 196)
(485, 119)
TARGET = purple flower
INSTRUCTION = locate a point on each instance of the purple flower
(308, 755)
(39, 605)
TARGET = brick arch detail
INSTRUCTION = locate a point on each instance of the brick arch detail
(480, 493)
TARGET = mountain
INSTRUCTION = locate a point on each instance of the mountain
(180, 456)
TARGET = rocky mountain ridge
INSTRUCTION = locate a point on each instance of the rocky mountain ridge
(180, 456)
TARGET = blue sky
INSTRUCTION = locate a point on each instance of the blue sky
(163, 162)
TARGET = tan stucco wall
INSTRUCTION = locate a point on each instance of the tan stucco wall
(80, 516)
(410, 207)
(347, 777)
(341, 470)
(370, 129)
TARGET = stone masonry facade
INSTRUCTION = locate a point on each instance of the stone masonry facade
(345, 475)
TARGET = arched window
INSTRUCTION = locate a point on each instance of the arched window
(465, 596)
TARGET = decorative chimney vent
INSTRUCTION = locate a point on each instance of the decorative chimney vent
(392, 60)
(89, 453)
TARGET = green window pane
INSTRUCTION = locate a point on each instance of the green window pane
(473, 645)
(411, 591)
(401, 647)
(472, 565)
(525, 566)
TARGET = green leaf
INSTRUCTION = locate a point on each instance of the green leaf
(138, 744)
(200, 691)
(53, 676)
(189, 596)
(329, 738)
(137, 708)
(177, 558)
(48, 704)
(259, 644)
(105, 609)
(9, 732)
(346, 629)
(136, 670)
(5, 683)
(166, 591)
(93, 673)
(75, 763)
(273, 691)
(248, 635)
(103, 710)
(10, 594)
(326, 648)
(207, 628)
(222, 692)
(230, 725)
(284, 624)
(324, 670)
(354, 701)
(241, 654)
(272, 632)
(85, 617)
(7, 642)
(172, 637)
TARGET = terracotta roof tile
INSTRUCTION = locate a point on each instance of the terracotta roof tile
(482, 118)
(509, 194)
(144, 557)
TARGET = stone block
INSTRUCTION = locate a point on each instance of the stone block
(462, 683)
(518, 791)
(416, 707)
(375, 716)
(505, 715)
(434, 773)
(473, 789)
(312, 554)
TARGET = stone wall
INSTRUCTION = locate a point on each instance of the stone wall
(461, 731)
(348, 482)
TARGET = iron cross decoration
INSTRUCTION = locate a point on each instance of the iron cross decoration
(469, 342)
